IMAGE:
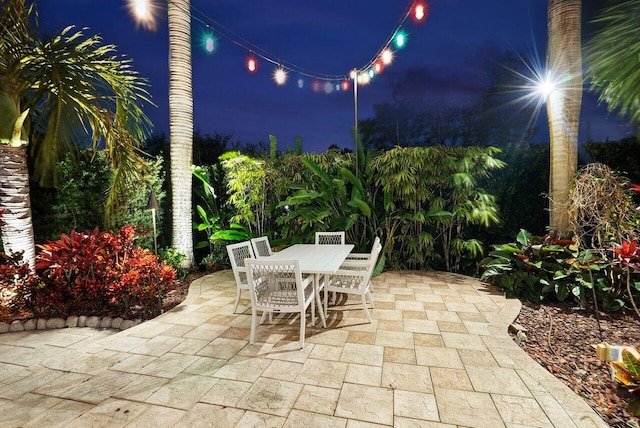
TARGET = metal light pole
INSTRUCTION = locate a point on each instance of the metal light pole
(153, 205)
(355, 108)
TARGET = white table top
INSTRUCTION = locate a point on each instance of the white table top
(320, 259)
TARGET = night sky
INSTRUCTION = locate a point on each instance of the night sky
(444, 55)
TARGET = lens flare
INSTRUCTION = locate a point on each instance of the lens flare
(144, 12)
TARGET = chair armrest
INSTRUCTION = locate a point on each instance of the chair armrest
(355, 265)
(358, 256)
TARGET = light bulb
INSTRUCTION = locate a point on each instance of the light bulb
(280, 76)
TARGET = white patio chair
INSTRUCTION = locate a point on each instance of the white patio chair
(354, 277)
(362, 256)
(238, 253)
(261, 246)
(278, 286)
(331, 238)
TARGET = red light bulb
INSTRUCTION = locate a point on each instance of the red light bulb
(252, 64)
(419, 11)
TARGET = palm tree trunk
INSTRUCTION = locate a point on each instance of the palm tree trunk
(181, 125)
(563, 106)
(17, 232)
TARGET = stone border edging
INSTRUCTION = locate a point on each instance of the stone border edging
(71, 322)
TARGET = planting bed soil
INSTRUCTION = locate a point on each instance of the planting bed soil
(561, 338)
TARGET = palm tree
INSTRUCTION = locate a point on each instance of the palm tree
(181, 125)
(74, 89)
(612, 57)
(564, 60)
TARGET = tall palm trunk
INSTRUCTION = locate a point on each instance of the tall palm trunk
(563, 105)
(17, 232)
(181, 125)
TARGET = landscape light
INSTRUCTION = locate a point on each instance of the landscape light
(280, 76)
(545, 87)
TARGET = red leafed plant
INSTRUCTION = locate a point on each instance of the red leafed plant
(92, 273)
(629, 257)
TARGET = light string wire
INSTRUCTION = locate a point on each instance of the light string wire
(265, 55)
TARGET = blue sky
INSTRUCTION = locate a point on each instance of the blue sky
(327, 37)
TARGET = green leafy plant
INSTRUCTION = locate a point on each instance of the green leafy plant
(325, 203)
(627, 372)
(174, 258)
(532, 268)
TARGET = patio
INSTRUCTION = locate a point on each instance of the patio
(437, 354)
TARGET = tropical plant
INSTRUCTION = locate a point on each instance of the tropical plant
(627, 372)
(181, 125)
(73, 88)
(612, 58)
(247, 188)
(564, 65)
(325, 203)
(431, 197)
(90, 272)
(532, 268)
(629, 257)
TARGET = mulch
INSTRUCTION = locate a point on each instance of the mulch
(560, 338)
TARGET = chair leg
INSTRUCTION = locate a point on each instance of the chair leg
(252, 337)
(303, 321)
(235, 308)
(326, 301)
(364, 305)
(373, 306)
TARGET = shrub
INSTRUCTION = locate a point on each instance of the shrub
(96, 272)
(538, 268)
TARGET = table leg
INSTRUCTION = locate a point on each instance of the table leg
(316, 283)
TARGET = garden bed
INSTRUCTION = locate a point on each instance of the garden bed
(561, 339)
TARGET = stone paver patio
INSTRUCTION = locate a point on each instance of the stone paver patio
(436, 355)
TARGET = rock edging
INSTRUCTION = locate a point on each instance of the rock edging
(71, 322)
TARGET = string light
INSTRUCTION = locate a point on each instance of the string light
(400, 40)
(280, 76)
(252, 64)
(208, 42)
(387, 56)
(420, 11)
(145, 11)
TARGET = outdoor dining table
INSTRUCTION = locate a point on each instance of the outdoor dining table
(316, 260)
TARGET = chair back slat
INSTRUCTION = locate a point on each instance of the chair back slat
(261, 246)
(330, 238)
(238, 254)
